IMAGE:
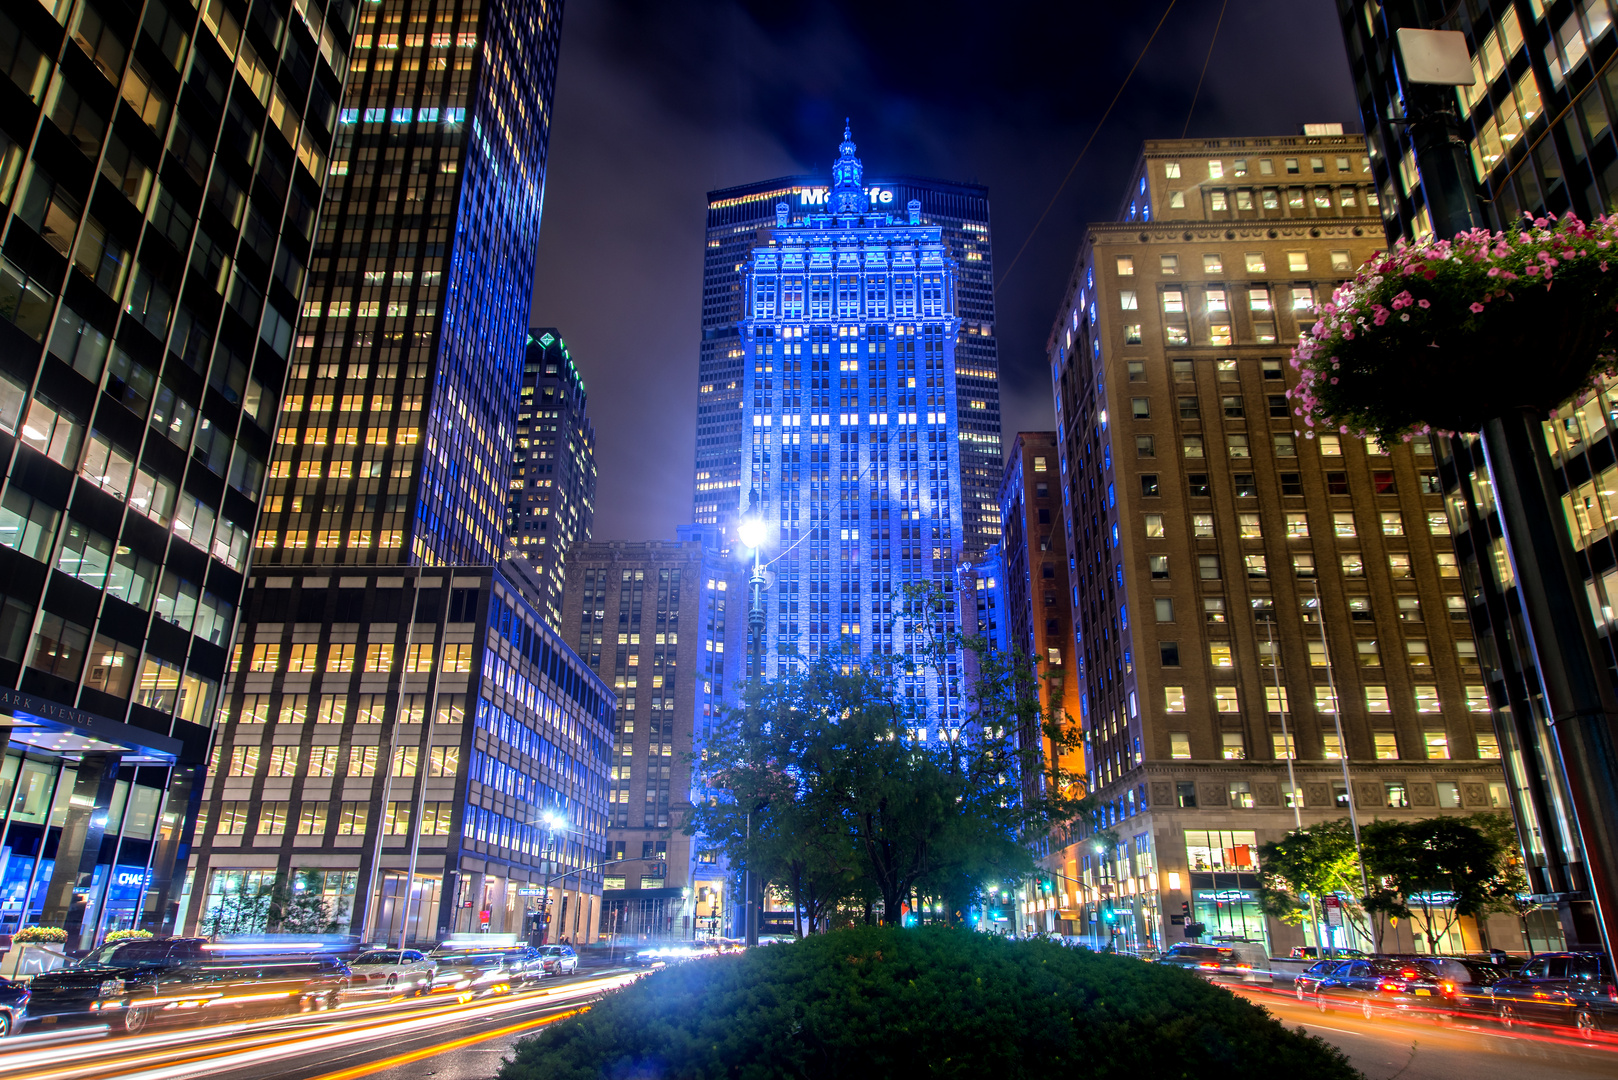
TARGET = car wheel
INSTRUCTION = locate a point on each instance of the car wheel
(392, 983)
(1506, 1015)
(1297, 988)
(5, 1024)
(333, 999)
(1585, 1021)
(136, 1020)
(1320, 1002)
(1366, 1009)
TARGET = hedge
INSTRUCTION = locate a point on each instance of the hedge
(877, 1002)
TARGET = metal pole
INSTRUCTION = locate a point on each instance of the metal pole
(428, 718)
(369, 923)
(1342, 743)
(1292, 775)
(755, 630)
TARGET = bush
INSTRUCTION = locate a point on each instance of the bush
(40, 935)
(126, 935)
(872, 1002)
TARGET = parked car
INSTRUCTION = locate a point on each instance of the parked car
(1309, 979)
(393, 971)
(1575, 990)
(1312, 952)
(1374, 986)
(558, 959)
(1243, 960)
(130, 984)
(13, 1006)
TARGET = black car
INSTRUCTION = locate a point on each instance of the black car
(1574, 990)
(131, 984)
(13, 1006)
(1461, 984)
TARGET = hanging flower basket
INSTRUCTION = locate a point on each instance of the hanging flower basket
(1441, 335)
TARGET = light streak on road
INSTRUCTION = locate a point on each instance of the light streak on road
(220, 1048)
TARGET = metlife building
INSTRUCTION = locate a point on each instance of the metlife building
(735, 217)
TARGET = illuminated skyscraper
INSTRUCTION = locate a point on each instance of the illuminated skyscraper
(406, 734)
(551, 501)
(164, 162)
(736, 217)
(851, 447)
(395, 435)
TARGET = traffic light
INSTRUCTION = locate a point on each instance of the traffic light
(1185, 909)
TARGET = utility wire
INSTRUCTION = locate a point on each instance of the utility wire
(1198, 91)
(1099, 124)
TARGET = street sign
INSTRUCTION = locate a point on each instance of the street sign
(530, 892)
(1334, 910)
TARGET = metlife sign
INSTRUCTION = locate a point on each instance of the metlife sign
(818, 196)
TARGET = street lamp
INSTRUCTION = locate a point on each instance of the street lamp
(750, 531)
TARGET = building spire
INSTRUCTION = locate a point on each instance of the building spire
(848, 177)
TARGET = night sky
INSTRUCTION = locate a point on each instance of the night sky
(658, 103)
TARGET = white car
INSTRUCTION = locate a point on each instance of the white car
(392, 971)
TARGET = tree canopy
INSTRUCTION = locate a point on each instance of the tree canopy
(1431, 871)
(832, 784)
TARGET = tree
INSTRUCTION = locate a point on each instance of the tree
(242, 908)
(832, 781)
(299, 907)
(1436, 870)
(1315, 861)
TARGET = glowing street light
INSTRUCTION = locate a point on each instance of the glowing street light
(750, 531)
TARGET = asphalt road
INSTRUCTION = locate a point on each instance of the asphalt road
(447, 1038)
(1388, 1047)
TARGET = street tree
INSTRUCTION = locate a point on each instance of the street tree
(1436, 870)
(1314, 862)
(831, 780)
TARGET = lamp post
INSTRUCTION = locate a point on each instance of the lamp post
(750, 531)
(554, 822)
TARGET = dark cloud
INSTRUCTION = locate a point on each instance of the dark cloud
(658, 103)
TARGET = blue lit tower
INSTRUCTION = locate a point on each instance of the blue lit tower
(735, 216)
(850, 425)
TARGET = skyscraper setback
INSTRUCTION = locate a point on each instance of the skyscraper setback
(849, 415)
(407, 736)
(737, 217)
(165, 162)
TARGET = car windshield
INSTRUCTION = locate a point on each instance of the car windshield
(123, 953)
(378, 958)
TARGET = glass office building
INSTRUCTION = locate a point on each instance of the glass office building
(161, 165)
(396, 430)
(735, 217)
(407, 737)
(851, 441)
